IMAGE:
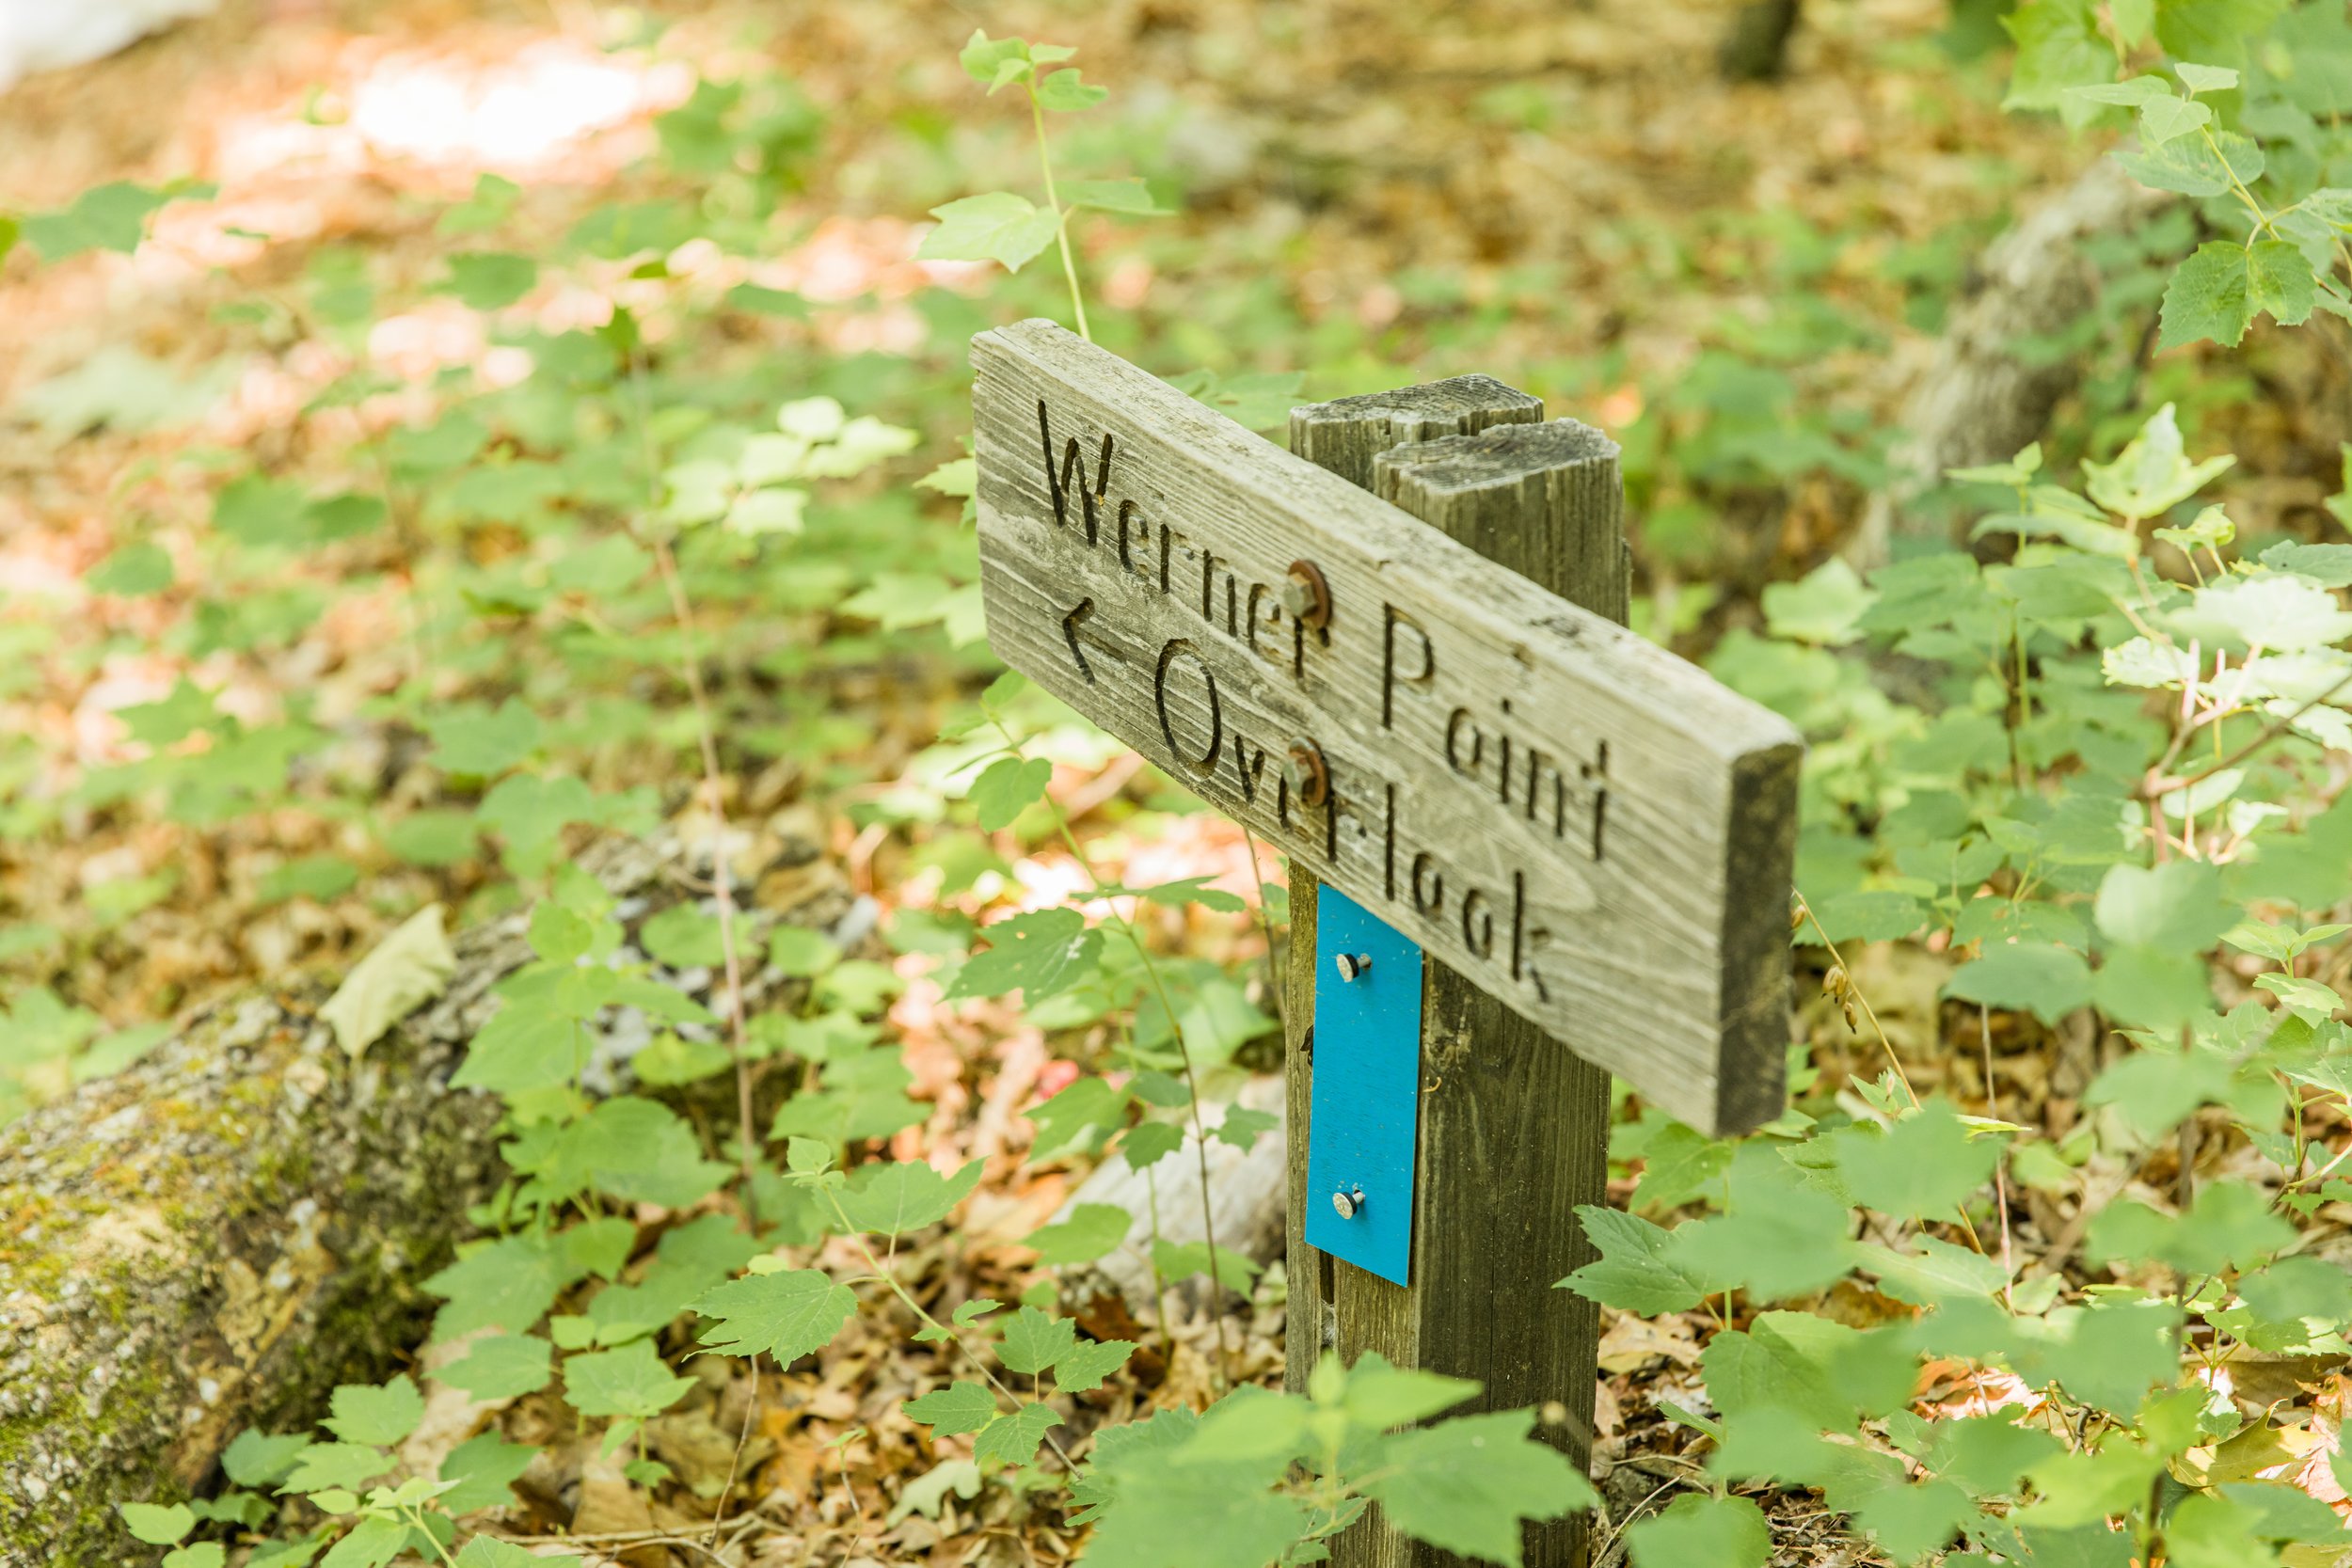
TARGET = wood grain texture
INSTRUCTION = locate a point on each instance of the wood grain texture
(1575, 819)
(1311, 1324)
(1514, 1130)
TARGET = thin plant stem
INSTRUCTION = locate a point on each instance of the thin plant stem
(1061, 218)
(857, 1238)
(751, 1413)
(1838, 958)
(1184, 1052)
(2000, 1177)
(721, 874)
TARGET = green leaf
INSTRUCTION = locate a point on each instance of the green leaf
(1241, 1126)
(1825, 608)
(1909, 1521)
(489, 1551)
(2154, 1090)
(1091, 1231)
(432, 838)
(473, 741)
(1065, 92)
(2174, 908)
(2213, 30)
(2043, 979)
(1782, 1238)
(2279, 280)
(156, 1525)
(2131, 95)
(503, 1367)
(1037, 953)
(801, 954)
(2206, 78)
(632, 1381)
(1251, 1425)
(256, 1458)
(372, 1543)
(2163, 119)
(1034, 1341)
(1130, 197)
(1082, 1370)
(2211, 295)
(202, 1554)
(789, 1315)
(322, 1466)
(1379, 1395)
(485, 1468)
(136, 569)
(1464, 1486)
(1148, 1513)
(1782, 1362)
(401, 974)
(1720, 1532)
(1013, 1439)
(983, 57)
(491, 279)
(506, 1284)
(1924, 1166)
(112, 217)
(1633, 1273)
(2193, 167)
(286, 1554)
(2230, 1226)
(1938, 1273)
(996, 227)
(959, 1407)
(2153, 473)
(683, 937)
(2059, 49)
(2273, 611)
(891, 1198)
(1007, 787)
(383, 1414)
(493, 198)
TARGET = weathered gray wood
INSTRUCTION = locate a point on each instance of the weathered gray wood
(1544, 802)
(1347, 433)
(1344, 436)
(1514, 1130)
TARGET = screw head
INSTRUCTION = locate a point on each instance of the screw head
(1306, 773)
(1353, 966)
(1348, 1201)
(1307, 596)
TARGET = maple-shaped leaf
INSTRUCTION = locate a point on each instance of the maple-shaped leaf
(788, 1314)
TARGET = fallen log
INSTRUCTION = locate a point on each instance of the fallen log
(1987, 392)
(222, 1233)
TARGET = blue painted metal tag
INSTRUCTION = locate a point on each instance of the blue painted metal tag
(1362, 1129)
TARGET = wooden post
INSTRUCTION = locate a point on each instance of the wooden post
(1514, 1127)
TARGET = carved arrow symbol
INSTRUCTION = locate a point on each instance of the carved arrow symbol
(1069, 625)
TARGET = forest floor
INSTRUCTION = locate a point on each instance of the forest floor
(1563, 195)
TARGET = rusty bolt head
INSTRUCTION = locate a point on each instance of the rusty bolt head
(1304, 770)
(1307, 596)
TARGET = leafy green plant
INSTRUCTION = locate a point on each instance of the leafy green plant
(1007, 228)
(2244, 124)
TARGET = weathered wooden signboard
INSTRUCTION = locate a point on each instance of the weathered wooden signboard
(1584, 824)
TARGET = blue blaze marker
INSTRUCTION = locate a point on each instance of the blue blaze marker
(1362, 1130)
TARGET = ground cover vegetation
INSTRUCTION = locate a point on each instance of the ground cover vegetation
(502, 512)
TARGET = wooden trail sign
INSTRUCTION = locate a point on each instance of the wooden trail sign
(1582, 825)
